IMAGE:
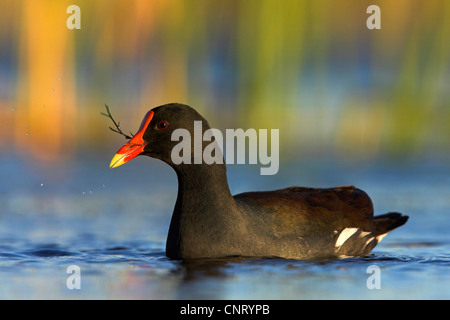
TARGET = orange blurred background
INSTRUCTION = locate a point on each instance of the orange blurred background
(310, 68)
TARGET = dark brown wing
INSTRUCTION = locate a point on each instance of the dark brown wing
(325, 209)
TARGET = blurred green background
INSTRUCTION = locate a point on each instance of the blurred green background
(309, 68)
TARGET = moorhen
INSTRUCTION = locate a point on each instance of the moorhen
(293, 223)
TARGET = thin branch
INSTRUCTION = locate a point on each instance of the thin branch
(116, 124)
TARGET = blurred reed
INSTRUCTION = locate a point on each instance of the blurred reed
(310, 68)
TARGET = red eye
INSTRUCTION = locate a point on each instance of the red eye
(162, 125)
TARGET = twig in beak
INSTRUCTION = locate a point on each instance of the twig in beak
(117, 124)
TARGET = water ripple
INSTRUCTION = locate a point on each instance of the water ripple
(49, 253)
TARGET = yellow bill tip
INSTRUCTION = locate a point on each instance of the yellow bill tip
(117, 160)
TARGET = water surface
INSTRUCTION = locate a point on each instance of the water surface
(113, 225)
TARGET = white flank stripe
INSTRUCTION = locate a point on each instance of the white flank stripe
(364, 233)
(345, 234)
(381, 236)
(369, 241)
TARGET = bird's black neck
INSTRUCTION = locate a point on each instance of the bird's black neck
(204, 205)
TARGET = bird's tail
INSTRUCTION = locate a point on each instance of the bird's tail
(384, 223)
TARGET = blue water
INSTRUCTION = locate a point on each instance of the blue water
(113, 224)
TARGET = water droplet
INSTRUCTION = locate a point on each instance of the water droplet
(28, 133)
(84, 193)
(42, 184)
(12, 108)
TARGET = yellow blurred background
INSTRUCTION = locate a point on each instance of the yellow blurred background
(309, 68)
